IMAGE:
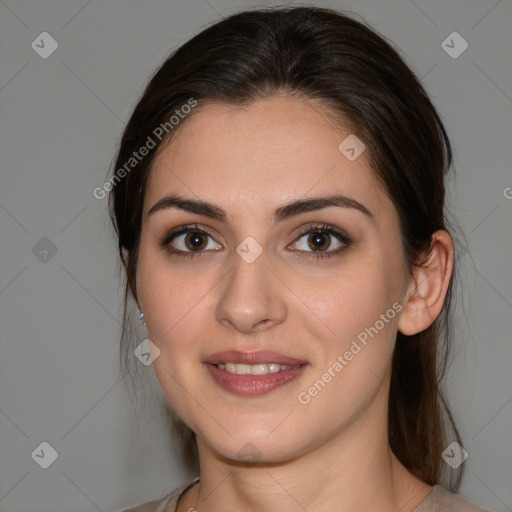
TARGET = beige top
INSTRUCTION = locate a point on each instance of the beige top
(438, 500)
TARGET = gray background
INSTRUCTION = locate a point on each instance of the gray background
(61, 119)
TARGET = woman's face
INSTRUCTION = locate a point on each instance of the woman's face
(254, 284)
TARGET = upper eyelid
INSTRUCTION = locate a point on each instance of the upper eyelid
(181, 230)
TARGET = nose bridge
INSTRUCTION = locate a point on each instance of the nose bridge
(249, 298)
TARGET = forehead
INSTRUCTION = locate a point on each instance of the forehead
(255, 157)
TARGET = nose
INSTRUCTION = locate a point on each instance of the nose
(252, 297)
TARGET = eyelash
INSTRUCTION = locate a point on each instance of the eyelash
(324, 228)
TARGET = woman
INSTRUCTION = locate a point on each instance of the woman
(278, 196)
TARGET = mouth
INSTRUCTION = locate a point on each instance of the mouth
(255, 369)
(253, 373)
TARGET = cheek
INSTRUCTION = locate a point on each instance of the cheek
(359, 311)
(174, 306)
(356, 349)
(176, 324)
(346, 301)
(173, 296)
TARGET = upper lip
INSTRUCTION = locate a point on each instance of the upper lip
(253, 357)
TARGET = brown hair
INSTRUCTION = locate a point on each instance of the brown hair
(318, 53)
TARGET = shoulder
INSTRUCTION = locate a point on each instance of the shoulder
(166, 504)
(442, 500)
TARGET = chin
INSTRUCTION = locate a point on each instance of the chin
(258, 447)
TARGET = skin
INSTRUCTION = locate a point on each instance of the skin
(333, 453)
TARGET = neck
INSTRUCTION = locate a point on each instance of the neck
(353, 470)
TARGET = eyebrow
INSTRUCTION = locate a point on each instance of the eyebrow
(283, 212)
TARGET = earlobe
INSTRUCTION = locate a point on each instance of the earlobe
(427, 290)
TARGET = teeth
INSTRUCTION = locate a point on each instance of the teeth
(254, 369)
(274, 367)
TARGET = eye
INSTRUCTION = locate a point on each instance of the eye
(318, 239)
(187, 240)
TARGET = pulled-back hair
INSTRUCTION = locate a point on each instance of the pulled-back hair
(317, 53)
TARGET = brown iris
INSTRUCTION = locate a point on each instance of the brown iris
(317, 239)
(193, 240)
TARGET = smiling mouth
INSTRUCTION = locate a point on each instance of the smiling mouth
(255, 369)
(254, 379)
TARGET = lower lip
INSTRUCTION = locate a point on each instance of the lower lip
(253, 385)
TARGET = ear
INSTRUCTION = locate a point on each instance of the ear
(427, 289)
